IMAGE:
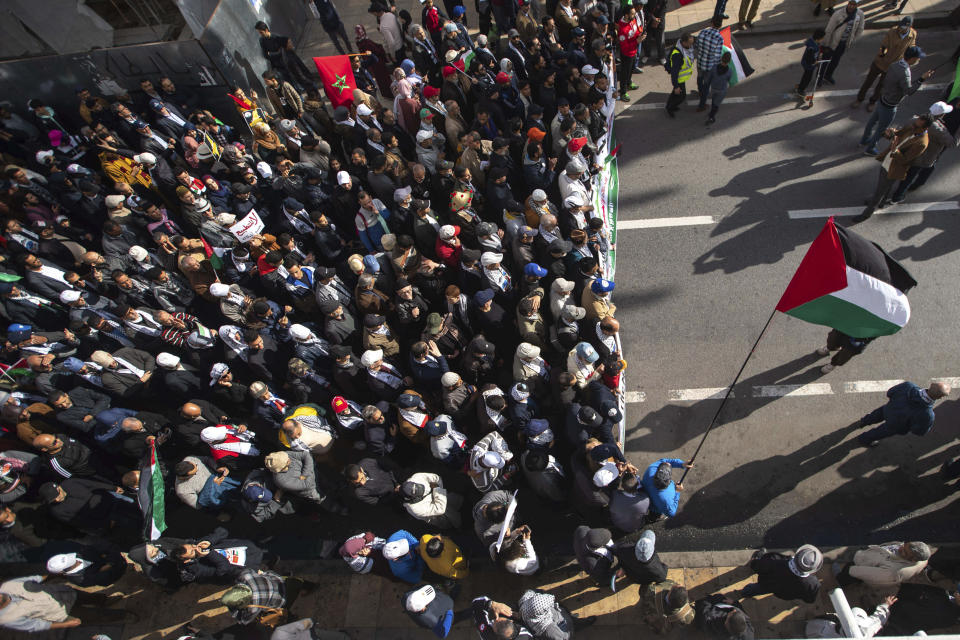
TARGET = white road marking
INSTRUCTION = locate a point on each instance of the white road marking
(634, 396)
(694, 395)
(869, 386)
(653, 223)
(907, 207)
(782, 390)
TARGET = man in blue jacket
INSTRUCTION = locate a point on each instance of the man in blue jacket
(909, 410)
(658, 483)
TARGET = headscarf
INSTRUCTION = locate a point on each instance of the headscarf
(361, 33)
(229, 334)
(269, 140)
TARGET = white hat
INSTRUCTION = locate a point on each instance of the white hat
(43, 155)
(225, 219)
(449, 379)
(370, 356)
(74, 168)
(113, 201)
(299, 332)
(264, 169)
(138, 253)
(492, 460)
(61, 562)
(219, 290)
(423, 135)
(562, 284)
(213, 434)
(401, 194)
(217, 371)
(940, 109)
(167, 360)
(447, 231)
(343, 177)
(527, 350)
(644, 547)
(418, 600)
(539, 195)
(69, 295)
(573, 200)
(287, 125)
(364, 110)
(145, 158)
(589, 70)
(396, 549)
(573, 312)
(488, 258)
(606, 474)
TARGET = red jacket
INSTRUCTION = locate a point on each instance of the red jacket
(448, 254)
(629, 35)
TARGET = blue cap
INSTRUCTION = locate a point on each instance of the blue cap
(913, 52)
(601, 285)
(73, 365)
(483, 296)
(459, 10)
(371, 263)
(257, 493)
(436, 428)
(586, 351)
(533, 269)
(292, 204)
(156, 105)
(18, 332)
(537, 426)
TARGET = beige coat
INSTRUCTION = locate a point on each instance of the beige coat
(879, 567)
(893, 46)
(438, 507)
(597, 307)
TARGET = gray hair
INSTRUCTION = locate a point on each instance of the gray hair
(367, 281)
(919, 550)
(369, 411)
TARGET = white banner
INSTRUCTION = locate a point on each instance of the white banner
(248, 226)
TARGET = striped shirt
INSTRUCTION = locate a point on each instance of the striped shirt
(709, 48)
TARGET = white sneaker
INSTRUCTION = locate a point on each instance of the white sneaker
(663, 61)
(823, 351)
(643, 59)
(827, 368)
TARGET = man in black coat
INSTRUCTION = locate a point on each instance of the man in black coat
(24, 307)
(78, 408)
(721, 617)
(639, 560)
(90, 505)
(786, 577)
(88, 566)
(594, 550)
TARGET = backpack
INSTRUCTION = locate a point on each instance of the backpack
(668, 65)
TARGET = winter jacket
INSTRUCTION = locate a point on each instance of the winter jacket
(711, 617)
(908, 410)
(667, 500)
(837, 26)
(882, 566)
(437, 507)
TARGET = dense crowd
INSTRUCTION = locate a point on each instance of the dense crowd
(393, 316)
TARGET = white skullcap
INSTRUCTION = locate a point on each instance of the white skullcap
(167, 360)
(449, 379)
(589, 70)
(527, 350)
(488, 258)
(299, 332)
(423, 135)
(419, 599)
(564, 285)
(69, 295)
(370, 356)
(539, 195)
(492, 460)
(606, 474)
(573, 200)
(396, 549)
(61, 562)
(43, 155)
(145, 158)
(213, 434)
(113, 201)
(219, 290)
(343, 177)
(225, 218)
(264, 169)
(364, 110)
(138, 253)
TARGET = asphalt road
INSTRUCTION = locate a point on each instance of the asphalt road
(778, 471)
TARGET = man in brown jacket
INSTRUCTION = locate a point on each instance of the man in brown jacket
(906, 145)
(895, 42)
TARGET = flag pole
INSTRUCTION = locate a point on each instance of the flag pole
(727, 396)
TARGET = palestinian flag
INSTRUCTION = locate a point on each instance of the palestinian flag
(738, 60)
(336, 72)
(955, 91)
(150, 495)
(850, 284)
(214, 254)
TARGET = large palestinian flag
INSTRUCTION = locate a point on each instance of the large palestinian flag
(150, 495)
(851, 284)
(738, 59)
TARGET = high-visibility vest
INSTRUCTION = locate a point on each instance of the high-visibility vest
(686, 68)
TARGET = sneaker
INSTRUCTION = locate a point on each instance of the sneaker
(637, 70)
(663, 61)
(871, 151)
(855, 104)
(896, 201)
(633, 86)
(711, 120)
(644, 59)
(726, 17)
(823, 351)
(827, 368)
(873, 443)
(625, 97)
(800, 95)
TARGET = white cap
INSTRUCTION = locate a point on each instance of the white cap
(69, 295)
(589, 70)
(74, 168)
(213, 434)
(423, 135)
(225, 219)
(606, 474)
(299, 332)
(396, 549)
(419, 600)
(492, 460)
(167, 360)
(370, 356)
(61, 562)
(539, 195)
(43, 155)
(573, 200)
(644, 548)
(562, 284)
(137, 252)
(264, 170)
(447, 231)
(401, 194)
(449, 379)
(219, 290)
(940, 109)
(343, 177)
(364, 110)
(113, 201)
(145, 158)
(488, 258)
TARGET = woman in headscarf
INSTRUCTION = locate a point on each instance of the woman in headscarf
(233, 345)
(376, 63)
(406, 103)
(267, 144)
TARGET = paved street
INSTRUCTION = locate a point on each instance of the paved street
(692, 299)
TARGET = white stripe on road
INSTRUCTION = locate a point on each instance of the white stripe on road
(653, 223)
(694, 395)
(783, 390)
(634, 396)
(909, 207)
(869, 386)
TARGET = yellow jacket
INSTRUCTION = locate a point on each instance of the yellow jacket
(451, 562)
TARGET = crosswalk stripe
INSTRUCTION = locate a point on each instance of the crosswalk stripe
(782, 390)
(907, 207)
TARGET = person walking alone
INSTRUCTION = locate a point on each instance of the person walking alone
(909, 410)
(709, 48)
(719, 83)
(333, 25)
(842, 30)
(809, 61)
(680, 66)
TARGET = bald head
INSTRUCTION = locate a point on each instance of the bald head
(46, 443)
(190, 410)
(938, 390)
(610, 324)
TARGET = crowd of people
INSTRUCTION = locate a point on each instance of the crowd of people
(391, 317)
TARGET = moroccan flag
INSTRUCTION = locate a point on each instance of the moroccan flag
(337, 75)
(850, 284)
(150, 495)
(738, 60)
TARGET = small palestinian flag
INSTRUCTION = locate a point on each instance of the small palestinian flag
(214, 254)
(738, 60)
(150, 495)
(336, 72)
(850, 284)
(612, 154)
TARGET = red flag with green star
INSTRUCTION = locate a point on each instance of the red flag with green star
(337, 75)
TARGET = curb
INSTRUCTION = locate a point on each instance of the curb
(932, 20)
